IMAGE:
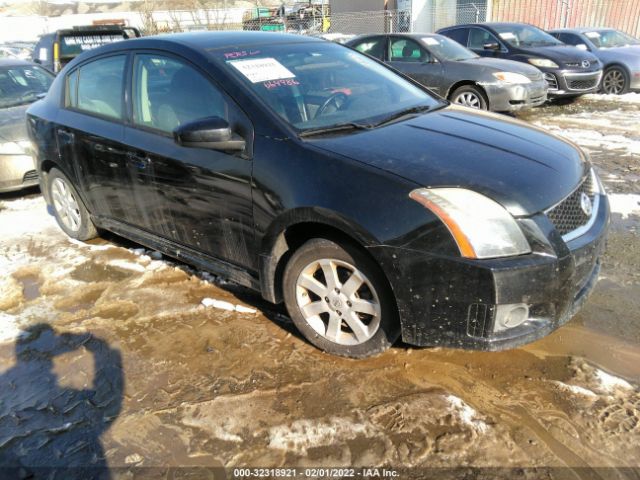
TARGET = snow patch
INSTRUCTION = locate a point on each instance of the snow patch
(467, 414)
(625, 204)
(610, 382)
(626, 98)
(126, 265)
(9, 328)
(304, 434)
(222, 305)
(576, 389)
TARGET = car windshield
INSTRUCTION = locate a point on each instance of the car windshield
(22, 84)
(447, 49)
(525, 36)
(611, 38)
(321, 84)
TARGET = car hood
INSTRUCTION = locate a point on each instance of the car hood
(562, 53)
(630, 54)
(502, 65)
(13, 126)
(521, 167)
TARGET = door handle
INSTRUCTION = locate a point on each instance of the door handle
(139, 161)
(66, 135)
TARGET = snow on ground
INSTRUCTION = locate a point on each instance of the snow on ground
(611, 383)
(467, 414)
(625, 204)
(626, 98)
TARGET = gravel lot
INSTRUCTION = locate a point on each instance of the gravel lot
(112, 355)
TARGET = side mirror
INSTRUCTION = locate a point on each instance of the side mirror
(491, 46)
(582, 46)
(209, 132)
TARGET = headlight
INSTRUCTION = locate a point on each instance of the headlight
(543, 62)
(481, 227)
(510, 77)
(15, 148)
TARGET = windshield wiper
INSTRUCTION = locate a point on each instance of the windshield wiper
(341, 127)
(403, 113)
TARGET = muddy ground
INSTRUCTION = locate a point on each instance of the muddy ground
(108, 358)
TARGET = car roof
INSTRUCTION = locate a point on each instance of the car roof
(215, 40)
(581, 29)
(12, 62)
(488, 24)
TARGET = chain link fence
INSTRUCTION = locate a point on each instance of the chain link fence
(546, 14)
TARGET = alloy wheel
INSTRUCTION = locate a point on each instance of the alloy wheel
(613, 82)
(66, 204)
(468, 99)
(338, 301)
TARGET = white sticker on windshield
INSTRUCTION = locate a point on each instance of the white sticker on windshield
(430, 41)
(262, 69)
(592, 34)
(507, 36)
(42, 55)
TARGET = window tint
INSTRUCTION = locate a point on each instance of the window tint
(479, 37)
(406, 50)
(100, 87)
(373, 47)
(570, 39)
(459, 35)
(71, 97)
(168, 93)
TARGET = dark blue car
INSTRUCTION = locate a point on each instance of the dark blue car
(568, 70)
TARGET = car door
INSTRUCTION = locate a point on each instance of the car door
(374, 46)
(414, 60)
(479, 39)
(90, 133)
(196, 197)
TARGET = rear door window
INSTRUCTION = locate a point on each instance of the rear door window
(100, 87)
(460, 35)
(373, 47)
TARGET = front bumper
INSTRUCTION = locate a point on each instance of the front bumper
(17, 172)
(570, 82)
(452, 302)
(510, 98)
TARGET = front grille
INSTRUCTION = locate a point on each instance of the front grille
(30, 176)
(552, 81)
(582, 84)
(568, 215)
(480, 319)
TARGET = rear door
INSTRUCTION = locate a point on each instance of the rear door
(412, 59)
(196, 197)
(90, 133)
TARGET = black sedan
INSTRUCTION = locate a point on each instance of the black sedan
(321, 178)
(570, 72)
(454, 72)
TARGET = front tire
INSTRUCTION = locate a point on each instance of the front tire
(339, 299)
(71, 214)
(615, 81)
(470, 96)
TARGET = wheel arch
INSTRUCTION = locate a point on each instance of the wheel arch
(462, 83)
(294, 228)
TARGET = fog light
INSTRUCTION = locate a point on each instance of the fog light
(510, 316)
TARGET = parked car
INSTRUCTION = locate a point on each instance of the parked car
(54, 50)
(452, 71)
(618, 52)
(568, 70)
(21, 83)
(318, 176)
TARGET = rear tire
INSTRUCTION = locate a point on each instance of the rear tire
(71, 214)
(615, 81)
(349, 311)
(470, 96)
